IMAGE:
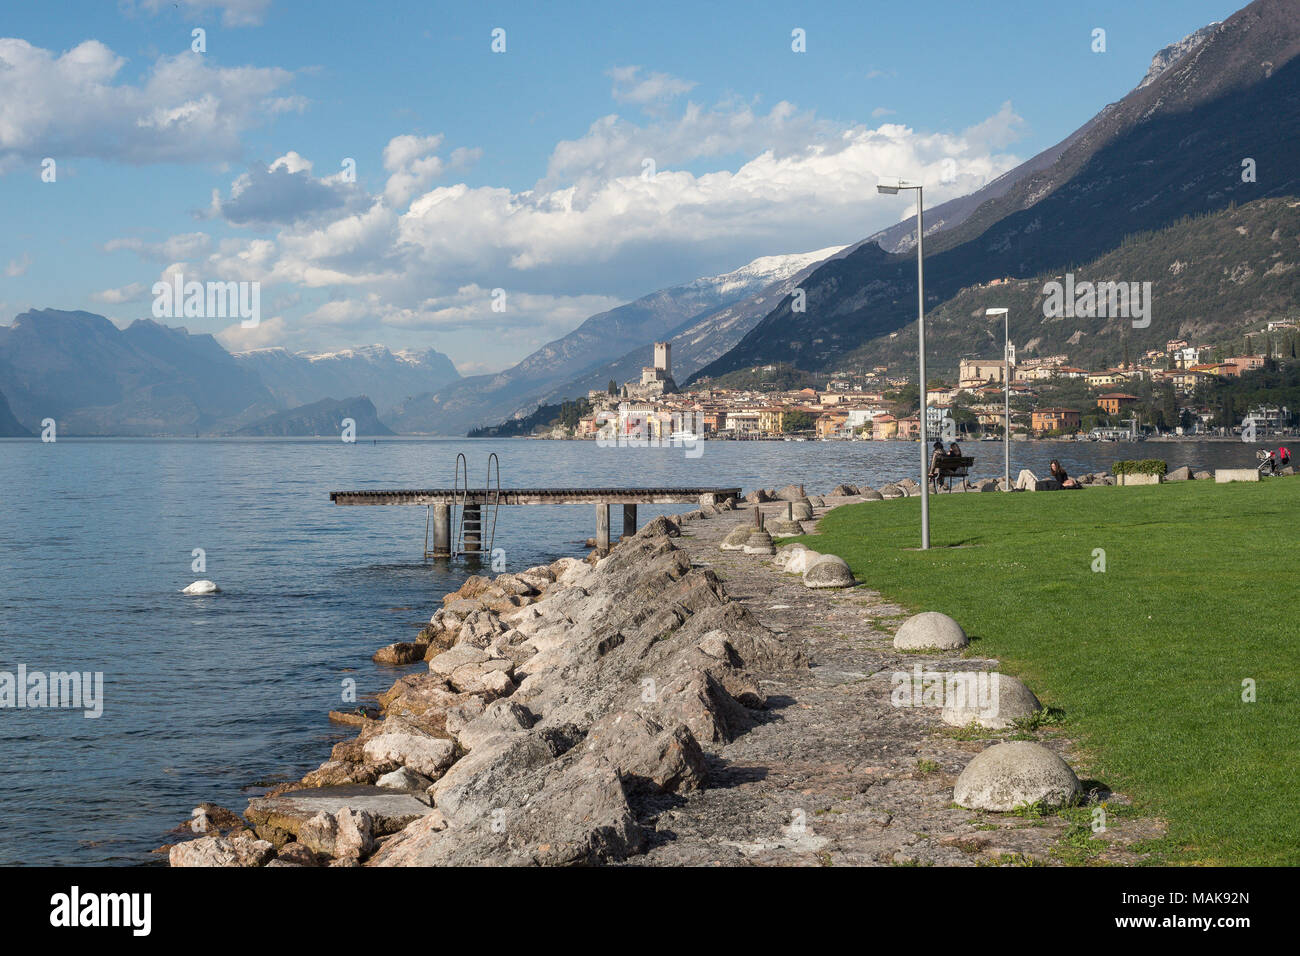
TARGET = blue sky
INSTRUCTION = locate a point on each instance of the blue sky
(519, 170)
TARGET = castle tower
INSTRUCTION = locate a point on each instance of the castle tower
(663, 358)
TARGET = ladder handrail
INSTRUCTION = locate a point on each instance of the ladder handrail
(459, 495)
(496, 496)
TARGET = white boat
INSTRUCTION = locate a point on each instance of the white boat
(683, 436)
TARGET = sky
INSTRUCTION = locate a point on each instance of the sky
(481, 177)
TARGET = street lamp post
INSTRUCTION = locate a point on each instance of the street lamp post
(892, 189)
(1006, 394)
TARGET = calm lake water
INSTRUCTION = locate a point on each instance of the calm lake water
(206, 697)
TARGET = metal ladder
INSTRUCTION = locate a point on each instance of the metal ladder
(470, 519)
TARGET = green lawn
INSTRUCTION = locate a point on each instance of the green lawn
(1147, 658)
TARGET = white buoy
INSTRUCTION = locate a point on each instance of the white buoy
(202, 587)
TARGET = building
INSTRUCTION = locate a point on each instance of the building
(972, 373)
(656, 380)
(1101, 379)
(832, 425)
(1112, 402)
(1056, 420)
(884, 428)
(909, 428)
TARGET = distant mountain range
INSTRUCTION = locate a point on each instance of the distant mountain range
(93, 378)
(600, 344)
(388, 378)
(1173, 147)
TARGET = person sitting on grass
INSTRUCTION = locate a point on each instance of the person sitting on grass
(1060, 475)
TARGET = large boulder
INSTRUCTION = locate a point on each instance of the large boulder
(242, 851)
(416, 751)
(828, 571)
(787, 552)
(790, 493)
(1179, 474)
(344, 834)
(930, 630)
(1015, 774)
(781, 528)
(892, 491)
(279, 819)
(801, 511)
(801, 561)
(1203, 476)
(403, 652)
(994, 701)
(870, 494)
(844, 491)
(736, 538)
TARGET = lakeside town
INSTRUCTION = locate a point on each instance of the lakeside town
(1183, 390)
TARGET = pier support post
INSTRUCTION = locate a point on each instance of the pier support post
(789, 511)
(473, 527)
(629, 520)
(441, 531)
(602, 529)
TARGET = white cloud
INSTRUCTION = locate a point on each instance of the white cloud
(653, 88)
(70, 105)
(187, 245)
(134, 292)
(424, 257)
(236, 338)
(18, 267)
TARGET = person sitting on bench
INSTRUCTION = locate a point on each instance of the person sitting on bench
(934, 461)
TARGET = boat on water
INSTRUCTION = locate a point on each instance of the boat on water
(684, 435)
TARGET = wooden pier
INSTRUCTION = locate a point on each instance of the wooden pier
(440, 501)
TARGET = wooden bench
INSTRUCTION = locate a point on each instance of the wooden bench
(952, 466)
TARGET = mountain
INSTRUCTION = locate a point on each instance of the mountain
(96, 379)
(1171, 148)
(321, 418)
(602, 338)
(299, 378)
(697, 341)
(1217, 276)
(10, 427)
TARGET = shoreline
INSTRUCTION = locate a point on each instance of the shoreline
(623, 687)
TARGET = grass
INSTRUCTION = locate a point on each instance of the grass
(1145, 659)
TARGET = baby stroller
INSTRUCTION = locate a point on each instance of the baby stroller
(1272, 463)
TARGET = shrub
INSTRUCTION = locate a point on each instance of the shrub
(1147, 466)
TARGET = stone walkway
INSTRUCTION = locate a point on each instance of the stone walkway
(836, 775)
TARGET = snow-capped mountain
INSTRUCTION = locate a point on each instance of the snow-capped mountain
(301, 378)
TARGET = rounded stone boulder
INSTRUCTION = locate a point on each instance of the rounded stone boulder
(801, 561)
(787, 552)
(992, 701)
(736, 538)
(1015, 774)
(759, 542)
(782, 528)
(870, 494)
(817, 501)
(828, 571)
(801, 511)
(891, 491)
(930, 630)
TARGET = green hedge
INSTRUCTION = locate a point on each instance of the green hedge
(1147, 466)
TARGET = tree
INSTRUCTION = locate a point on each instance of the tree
(797, 421)
(613, 387)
